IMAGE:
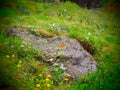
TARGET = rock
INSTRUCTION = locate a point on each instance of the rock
(60, 49)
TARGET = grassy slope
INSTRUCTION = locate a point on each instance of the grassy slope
(95, 27)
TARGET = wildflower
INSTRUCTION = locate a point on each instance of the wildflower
(20, 61)
(62, 46)
(62, 67)
(50, 60)
(13, 56)
(18, 65)
(12, 46)
(40, 75)
(66, 79)
(48, 76)
(7, 56)
(37, 85)
(55, 69)
(87, 38)
(53, 24)
(68, 75)
(35, 30)
(5, 42)
(55, 64)
(48, 85)
(21, 30)
(22, 46)
(89, 33)
(47, 79)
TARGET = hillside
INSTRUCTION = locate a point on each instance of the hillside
(22, 67)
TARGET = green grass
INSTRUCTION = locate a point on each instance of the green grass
(20, 67)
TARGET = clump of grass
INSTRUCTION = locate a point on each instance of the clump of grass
(46, 33)
(20, 62)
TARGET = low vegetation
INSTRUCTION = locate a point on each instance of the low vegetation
(22, 67)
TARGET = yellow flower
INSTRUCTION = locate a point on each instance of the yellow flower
(18, 65)
(47, 79)
(40, 75)
(13, 56)
(66, 79)
(20, 61)
(7, 56)
(37, 85)
(68, 75)
(48, 85)
(49, 76)
(5, 42)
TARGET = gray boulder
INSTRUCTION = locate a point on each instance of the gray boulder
(60, 51)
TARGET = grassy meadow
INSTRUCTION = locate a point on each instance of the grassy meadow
(22, 67)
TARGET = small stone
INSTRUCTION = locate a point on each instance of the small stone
(49, 60)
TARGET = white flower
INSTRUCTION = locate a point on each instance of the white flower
(12, 46)
(50, 60)
(87, 38)
(55, 69)
(22, 46)
(35, 30)
(89, 33)
(53, 24)
(55, 64)
(62, 67)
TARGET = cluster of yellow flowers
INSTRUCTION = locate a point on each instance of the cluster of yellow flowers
(13, 56)
(8, 56)
(19, 64)
(67, 78)
(47, 81)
